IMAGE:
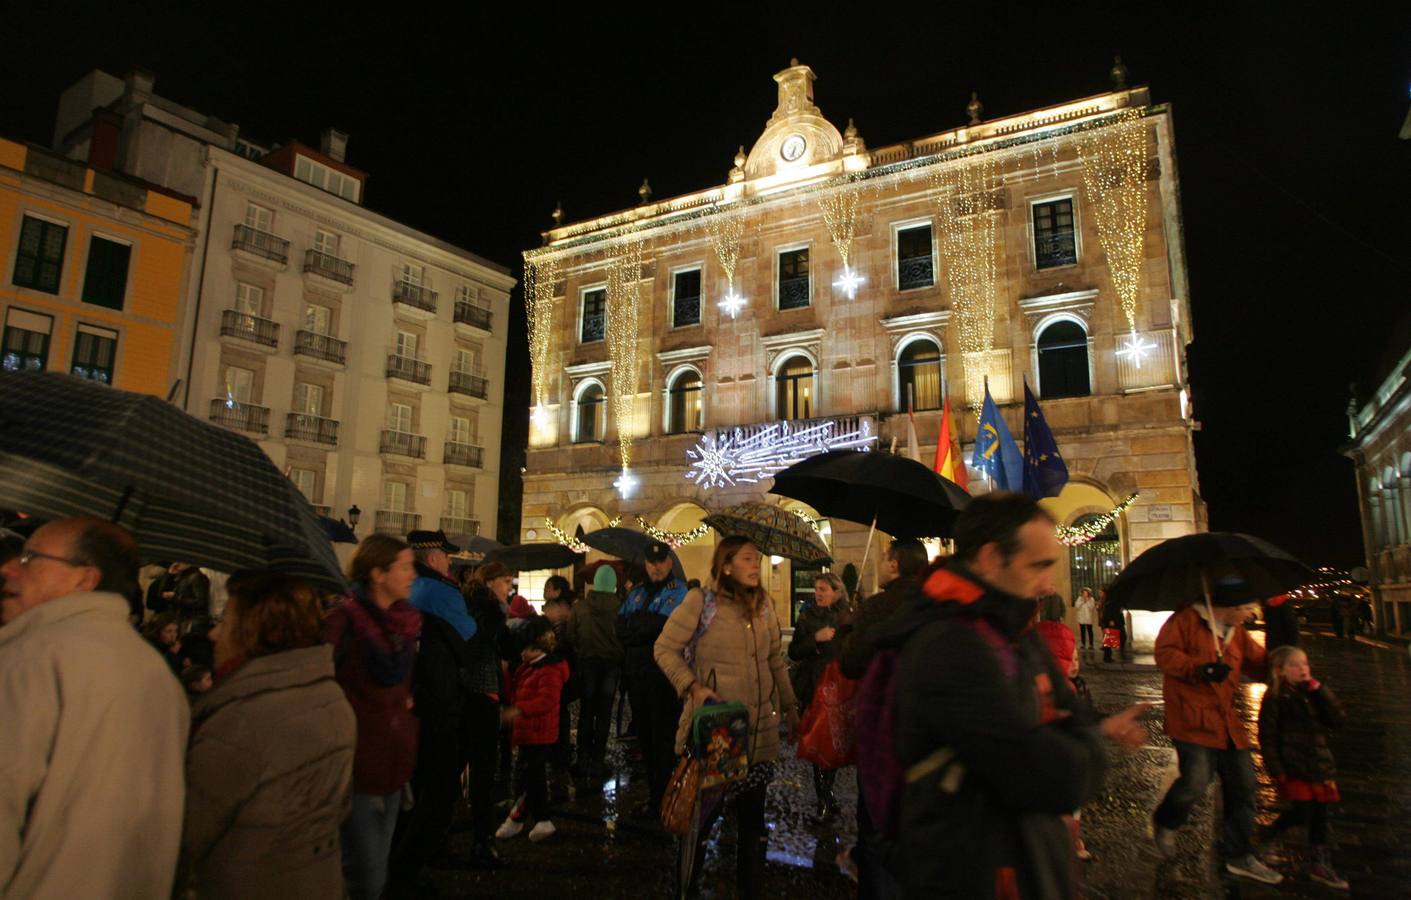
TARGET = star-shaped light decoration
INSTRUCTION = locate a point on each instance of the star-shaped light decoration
(849, 281)
(732, 303)
(540, 416)
(626, 483)
(1137, 347)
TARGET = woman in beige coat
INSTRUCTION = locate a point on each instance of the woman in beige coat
(737, 657)
(271, 756)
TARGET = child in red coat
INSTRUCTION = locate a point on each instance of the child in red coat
(1063, 646)
(537, 686)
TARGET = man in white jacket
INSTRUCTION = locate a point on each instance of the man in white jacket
(94, 734)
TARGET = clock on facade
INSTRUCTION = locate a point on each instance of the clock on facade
(793, 147)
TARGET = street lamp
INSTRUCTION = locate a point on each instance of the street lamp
(353, 515)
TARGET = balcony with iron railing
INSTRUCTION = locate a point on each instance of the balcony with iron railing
(240, 416)
(403, 443)
(395, 522)
(320, 346)
(236, 324)
(309, 427)
(473, 315)
(1054, 250)
(260, 244)
(460, 525)
(322, 509)
(408, 369)
(793, 292)
(326, 265)
(470, 384)
(459, 454)
(414, 296)
(915, 272)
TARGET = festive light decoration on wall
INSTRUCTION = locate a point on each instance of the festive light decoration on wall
(969, 232)
(674, 538)
(749, 456)
(539, 278)
(1114, 160)
(1136, 347)
(839, 207)
(569, 540)
(726, 228)
(1074, 537)
(624, 277)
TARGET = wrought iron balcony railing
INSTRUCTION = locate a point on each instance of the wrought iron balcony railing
(414, 295)
(240, 416)
(458, 454)
(471, 314)
(260, 243)
(234, 323)
(309, 427)
(404, 443)
(396, 523)
(320, 346)
(329, 266)
(793, 292)
(470, 384)
(408, 369)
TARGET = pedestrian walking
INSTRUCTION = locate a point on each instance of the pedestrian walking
(480, 724)
(91, 787)
(815, 644)
(270, 765)
(736, 655)
(1202, 651)
(1086, 608)
(592, 630)
(374, 635)
(534, 713)
(1059, 638)
(1111, 633)
(1294, 720)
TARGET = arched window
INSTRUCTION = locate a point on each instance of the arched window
(919, 375)
(685, 411)
(794, 393)
(1093, 565)
(1063, 360)
(588, 410)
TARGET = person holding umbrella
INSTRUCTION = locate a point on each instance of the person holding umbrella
(1202, 651)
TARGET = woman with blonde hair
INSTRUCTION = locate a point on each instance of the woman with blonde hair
(733, 636)
(817, 639)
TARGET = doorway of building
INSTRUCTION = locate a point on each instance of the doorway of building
(1093, 565)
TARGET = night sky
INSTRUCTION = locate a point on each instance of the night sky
(1296, 191)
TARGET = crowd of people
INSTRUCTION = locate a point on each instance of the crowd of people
(307, 746)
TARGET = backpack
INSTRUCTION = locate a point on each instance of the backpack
(881, 775)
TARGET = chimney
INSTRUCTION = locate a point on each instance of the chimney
(103, 143)
(140, 84)
(334, 143)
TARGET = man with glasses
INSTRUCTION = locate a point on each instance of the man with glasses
(94, 736)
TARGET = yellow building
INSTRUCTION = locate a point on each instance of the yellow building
(93, 268)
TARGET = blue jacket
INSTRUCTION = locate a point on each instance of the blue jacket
(640, 620)
(433, 594)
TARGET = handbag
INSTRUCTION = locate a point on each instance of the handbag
(720, 737)
(678, 803)
(828, 734)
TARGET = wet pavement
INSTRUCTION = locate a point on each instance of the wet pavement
(602, 851)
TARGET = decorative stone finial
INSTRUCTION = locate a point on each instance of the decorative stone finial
(557, 214)
(974, 108)
(645, 191)
(1118, 74)
(850, 133)
(793, 61)
(740, 157)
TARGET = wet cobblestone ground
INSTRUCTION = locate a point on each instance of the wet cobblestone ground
(601, 851)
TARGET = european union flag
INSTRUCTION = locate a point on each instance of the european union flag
(996, 454)
(1045, 472)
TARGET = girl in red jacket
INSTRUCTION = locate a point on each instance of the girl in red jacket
(537, 687)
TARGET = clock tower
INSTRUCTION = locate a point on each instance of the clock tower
(798, 144)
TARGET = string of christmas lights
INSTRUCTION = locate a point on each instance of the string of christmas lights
(539, 278)
(569, 540)
(1070, 536)
(624, 278)
(1114, 161)
(839, 207)
(673, 538)
(726, 230)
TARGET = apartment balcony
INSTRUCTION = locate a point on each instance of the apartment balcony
(470, 385)
(408, 369)
(458, 454)
(395, 523)
(413, 298)
(240, 416)
(404, 443)
(477, 317)
(260, 245)
(460, 525)
(794, 293)
(245, 327)
(308, 427)
(328, 267)
(915, 272)
(320, 347)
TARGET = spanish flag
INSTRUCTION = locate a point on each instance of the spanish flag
(949, 462)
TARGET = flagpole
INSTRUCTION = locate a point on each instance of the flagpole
(871, 532)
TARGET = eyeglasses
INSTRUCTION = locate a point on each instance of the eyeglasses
(29, 556)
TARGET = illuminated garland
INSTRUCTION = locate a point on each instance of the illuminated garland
(1114, 174)
(839, 208)
(1070, 536)
(674, 538)
(539, 278)
(812, 522)
(569, 540)
(725, 230)
(624, 278)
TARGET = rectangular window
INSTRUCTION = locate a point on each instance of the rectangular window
(249, 299)
(394, 496)
(466, 294)
(594, 315)
(399, 417)
(306, 480)
(406, 344)
(39, 262)
(26, 341)
(318, 319)
(326, 242)
(412, 275)
(914, 264)
(308, 399)
(456, 505)
(239, 385)
(464, 361)
(94, 352)
(105, 281)
(1055, 242)
(459, 430)
(325, 178)
(686, 298)
(793, 279)
(258, 218)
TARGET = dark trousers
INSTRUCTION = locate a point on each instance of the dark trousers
(480, 742)
(753, 838)
(657, 711)
(823, 785)
(1305, 812)
(1085, 635)
(1199, 765)
(597, 684)
(533, 768)
(422, 830)
(874, 857)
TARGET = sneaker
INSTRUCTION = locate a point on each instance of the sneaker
(1165, 839)
(1324, 874)
(509, 829)
(1250, 866)
(542, 830)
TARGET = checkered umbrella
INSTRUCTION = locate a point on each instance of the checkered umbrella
(189, 490)
(774, 530)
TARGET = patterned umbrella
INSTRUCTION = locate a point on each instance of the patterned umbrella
(774, 530)
(187, 489)
(473, 548)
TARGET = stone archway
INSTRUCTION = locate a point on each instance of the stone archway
(696, 556)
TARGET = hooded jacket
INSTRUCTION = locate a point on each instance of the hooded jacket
(860, 643)
(592, 627)
(1197, 711)
(996, 745)
(538, 686)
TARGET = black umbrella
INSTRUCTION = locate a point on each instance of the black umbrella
(337, 530)
(533, 557)
(903, 497)
(473, 548)
(188, 490)
(629, 546)
(1178, 572)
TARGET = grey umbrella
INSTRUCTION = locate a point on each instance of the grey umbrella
(187, 489)
(629, 546)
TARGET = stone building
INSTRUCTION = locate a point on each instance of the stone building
(367, 358)
(820, 350)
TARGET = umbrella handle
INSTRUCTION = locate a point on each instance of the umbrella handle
(862, 573)
(1210, 611)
